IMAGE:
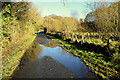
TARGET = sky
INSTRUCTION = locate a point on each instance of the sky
(70, 9)
(76, 8)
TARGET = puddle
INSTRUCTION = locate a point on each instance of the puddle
(43, 47)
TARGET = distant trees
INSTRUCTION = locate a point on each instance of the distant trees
(60, 24)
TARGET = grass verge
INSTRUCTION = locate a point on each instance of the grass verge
(96, 62)
(12, 54)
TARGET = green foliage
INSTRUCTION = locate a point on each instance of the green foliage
(17, 33)
(116, 58)
(17, 19)
(11, 59)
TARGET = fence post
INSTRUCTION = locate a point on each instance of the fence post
(82, 39)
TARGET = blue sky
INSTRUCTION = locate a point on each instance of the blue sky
(76, 9)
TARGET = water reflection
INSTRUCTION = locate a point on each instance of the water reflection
(68, 60)
(43, 47)
(34, 50)
(42, 39)
(51, 44)
(71, 62)
(32, 53)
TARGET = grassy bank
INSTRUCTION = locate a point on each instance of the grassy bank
(18, 28)
(96, 62)
(90, 38)
(12, 53)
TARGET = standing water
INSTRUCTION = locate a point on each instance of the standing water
(51, 61)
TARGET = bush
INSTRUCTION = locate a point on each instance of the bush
(116, 58)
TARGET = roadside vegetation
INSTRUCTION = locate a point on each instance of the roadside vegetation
(96, 62)
(95, 40)
(19, 23)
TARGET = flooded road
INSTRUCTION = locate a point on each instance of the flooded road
(47, 60)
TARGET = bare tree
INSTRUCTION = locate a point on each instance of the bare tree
(105, 19)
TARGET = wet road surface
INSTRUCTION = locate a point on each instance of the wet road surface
(48, 60)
